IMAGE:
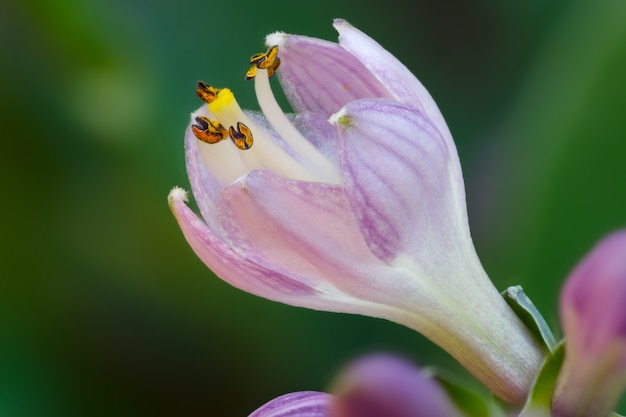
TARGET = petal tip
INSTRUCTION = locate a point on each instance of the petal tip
(177, 195)
(340, 24)
(340, 118)
(276, 39)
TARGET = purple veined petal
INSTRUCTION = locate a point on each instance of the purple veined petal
(319, 132)
(307, 231)
(229, 265)
(394, 75)
(593, 376)
(384, 385)
(296, 404)
(400, 177)
(320, 76)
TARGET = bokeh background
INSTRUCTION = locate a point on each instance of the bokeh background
(105, 310)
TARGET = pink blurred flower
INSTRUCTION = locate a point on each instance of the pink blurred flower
(374, 386)
(593, 315)
(365, 214)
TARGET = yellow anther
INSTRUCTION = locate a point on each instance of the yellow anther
(251, 73)
(209, 131)
(256, 58)
(242, 136)
(264, 60)
(207, 93)
(270, 71)
(268, 61)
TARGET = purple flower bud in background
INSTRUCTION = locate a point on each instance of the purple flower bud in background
(373, 386)
(355, 204)
(385, 385)
(593, 316)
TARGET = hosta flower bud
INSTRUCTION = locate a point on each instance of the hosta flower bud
(593, 316)
(385, 385)
(373, 386)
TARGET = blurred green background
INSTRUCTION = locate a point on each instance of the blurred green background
(105, 310)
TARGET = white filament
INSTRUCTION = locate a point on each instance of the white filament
(326, 171)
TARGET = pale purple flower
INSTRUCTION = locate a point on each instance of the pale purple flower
(355, 204)
(373, 386)
(593, 316)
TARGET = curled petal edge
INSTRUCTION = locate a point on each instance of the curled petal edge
(320, 76)
(225, 263)
(296, 404)
(392, 73)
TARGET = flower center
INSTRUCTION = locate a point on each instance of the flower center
(255, 148)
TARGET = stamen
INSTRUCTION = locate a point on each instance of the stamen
(242, 136)
(251, 73)
(230, 164)
(272, 70)
(207, 93)
(268, 60)
(264, 60)
(256, 58)
(209, 131)
(266, 155)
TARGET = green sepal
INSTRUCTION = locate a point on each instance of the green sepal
(540, 398)
(614, 414)
(530, 316)
(468, 401)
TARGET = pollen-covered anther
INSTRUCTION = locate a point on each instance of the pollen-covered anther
(267, 60)
(209, 131)
(264, 60)
(256, 58)
(251, 73)
(205, 92)
(241, 136)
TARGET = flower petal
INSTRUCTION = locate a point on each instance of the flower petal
(307, 231)
(595, 294)
(319, 132)
(401, 179)
(320, 76)
(296, 404)
(593, 375)
(393, 74)
(385, 385)
(228, 265)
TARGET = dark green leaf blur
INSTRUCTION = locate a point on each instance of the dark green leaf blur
(105, 310)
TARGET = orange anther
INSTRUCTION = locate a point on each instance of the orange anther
(207, 93)
(242, 136)
(208, 131)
